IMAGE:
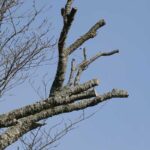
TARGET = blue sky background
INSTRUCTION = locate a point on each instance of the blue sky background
(120, 123)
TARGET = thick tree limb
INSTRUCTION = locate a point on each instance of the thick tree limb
(11, 118)
(83, 95)
(82, 104)
(68, 16)
(29, 123)
(13, 133)
(82, 87)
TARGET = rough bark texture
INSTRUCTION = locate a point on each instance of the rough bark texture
(62, 98)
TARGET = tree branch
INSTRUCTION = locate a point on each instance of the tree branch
(71, 77)
(85, 63)
(5, 5)
(82, 104)
(62, 98)
(13, 133)
(90, 34)
(12, 117)
(68, 16)
(29, 123)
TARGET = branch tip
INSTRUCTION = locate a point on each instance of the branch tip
(121, 93)
(102, 21)
(96, 81)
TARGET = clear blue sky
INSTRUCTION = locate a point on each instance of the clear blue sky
(120, 123)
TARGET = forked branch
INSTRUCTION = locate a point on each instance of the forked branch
(63, 98)
(68, 17)
(27, 124)
(85, 63)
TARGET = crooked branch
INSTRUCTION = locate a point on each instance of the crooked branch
(85, 63)
(90, 34)
(68, 17)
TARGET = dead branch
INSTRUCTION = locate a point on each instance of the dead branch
(71, 77)
(29, 123)
(68, 17)
(85, 63)
(90, 34)
(18, 55)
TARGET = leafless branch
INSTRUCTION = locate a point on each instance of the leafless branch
(21, 49)
(90, 34)
(68, 17)
(85, 63)
(71, 77)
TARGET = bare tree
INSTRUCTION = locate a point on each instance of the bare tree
(23, 49)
